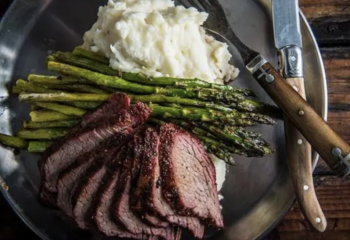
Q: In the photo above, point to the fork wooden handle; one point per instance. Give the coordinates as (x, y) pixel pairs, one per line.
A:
(300, 165)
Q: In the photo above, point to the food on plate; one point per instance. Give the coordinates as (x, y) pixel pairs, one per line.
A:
(135, 133)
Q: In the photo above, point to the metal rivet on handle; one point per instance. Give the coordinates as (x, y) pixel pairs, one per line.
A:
(336, 152)
(306, 187)
(301, 113)
(270, 78)
(318, 220)
(300, 141)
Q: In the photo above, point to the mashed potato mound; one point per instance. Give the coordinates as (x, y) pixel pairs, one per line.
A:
(156, 38)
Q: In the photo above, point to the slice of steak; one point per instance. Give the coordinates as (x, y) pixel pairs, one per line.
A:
(59, 158)
(83, 200)
(149, 187)
(122, 208)
(68, 182)
(188, 176)
(103, 216)
(135, 203)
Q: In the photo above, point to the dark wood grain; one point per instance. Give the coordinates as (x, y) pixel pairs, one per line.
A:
(329, 19)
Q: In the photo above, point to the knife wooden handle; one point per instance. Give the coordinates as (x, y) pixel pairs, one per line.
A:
(318, 133)
(299, 155)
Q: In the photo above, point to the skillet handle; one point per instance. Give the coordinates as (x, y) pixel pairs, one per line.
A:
(316, 131)
(300, 164)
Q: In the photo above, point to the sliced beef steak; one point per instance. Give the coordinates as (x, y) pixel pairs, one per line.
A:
(135, 199)
(59, 158)
(122, 208)
(103, 217)
(84, 202)
(188, 175)
(149, 187)
(84, 197)
(68, 182)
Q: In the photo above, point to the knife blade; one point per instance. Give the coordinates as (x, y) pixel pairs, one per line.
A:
(288, 41)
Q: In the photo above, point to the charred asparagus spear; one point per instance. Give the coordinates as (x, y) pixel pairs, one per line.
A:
(42, 133)
(82, 52)
(50, 124)
(207, 115)
(30, 87)
(55, 80)
(46, 115)
(68, 110)
(38, 146)
(12, 141)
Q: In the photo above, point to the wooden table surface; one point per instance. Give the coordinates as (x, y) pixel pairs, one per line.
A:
(330, 21)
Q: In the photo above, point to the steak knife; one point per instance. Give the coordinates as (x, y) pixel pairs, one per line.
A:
(288, 41)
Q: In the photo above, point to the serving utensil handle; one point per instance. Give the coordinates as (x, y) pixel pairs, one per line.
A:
(300, 165)
(316, 131)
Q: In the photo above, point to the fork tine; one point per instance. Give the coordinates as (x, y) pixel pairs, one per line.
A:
(197, 4)
(184, 3)
(207, 4)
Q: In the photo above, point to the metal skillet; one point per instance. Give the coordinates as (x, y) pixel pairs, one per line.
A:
(257, 192)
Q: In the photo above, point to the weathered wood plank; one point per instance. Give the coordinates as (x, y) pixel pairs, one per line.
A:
(329, 19)
(314, 9)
